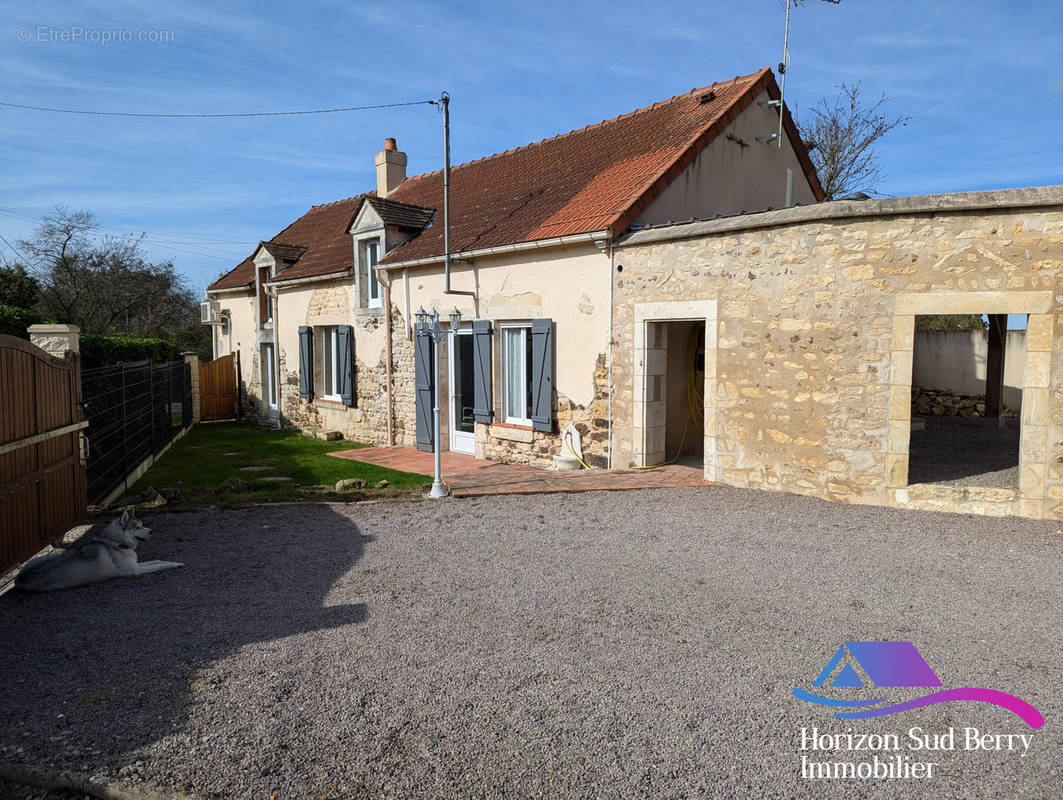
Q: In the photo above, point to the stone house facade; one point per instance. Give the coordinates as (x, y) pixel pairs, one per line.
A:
(322, 314)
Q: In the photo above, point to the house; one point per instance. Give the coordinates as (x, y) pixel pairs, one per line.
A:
(322, 314)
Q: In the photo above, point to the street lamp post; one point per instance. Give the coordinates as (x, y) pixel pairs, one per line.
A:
(430, 324)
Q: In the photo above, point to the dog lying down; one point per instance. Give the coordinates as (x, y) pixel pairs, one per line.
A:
(111, 554)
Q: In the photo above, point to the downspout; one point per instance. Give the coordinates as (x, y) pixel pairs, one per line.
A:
(609, 363)
(276, 353)
(406, 301)
(386, 282)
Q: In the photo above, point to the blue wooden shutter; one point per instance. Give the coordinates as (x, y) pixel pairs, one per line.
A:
(481, 358)
(306, 362)
(345, 365)
(424, 378)
(542, 375)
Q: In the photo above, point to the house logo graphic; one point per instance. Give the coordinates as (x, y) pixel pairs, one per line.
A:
(890, 665)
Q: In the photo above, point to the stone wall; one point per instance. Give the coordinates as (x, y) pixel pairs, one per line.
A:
(367, 421)
(809, 360)
(514, 444)
(929, 401)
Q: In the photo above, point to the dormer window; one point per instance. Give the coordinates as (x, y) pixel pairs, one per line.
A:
(265, 300)
(370, 256)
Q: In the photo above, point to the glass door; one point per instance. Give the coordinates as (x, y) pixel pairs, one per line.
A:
(462, 425)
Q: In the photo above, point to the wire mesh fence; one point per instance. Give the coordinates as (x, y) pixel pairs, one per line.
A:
(134, 410)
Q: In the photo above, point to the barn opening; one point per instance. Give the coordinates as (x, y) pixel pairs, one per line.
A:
(967, 379)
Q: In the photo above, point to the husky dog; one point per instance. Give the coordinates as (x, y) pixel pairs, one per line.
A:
(109, 555)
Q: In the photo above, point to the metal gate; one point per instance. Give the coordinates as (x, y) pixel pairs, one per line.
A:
(217, 389)
(42, 475)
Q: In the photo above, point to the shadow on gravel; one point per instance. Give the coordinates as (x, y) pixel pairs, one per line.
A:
(954, 448)
(88, 675)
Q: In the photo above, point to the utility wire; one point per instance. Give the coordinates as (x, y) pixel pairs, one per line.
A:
(16, 252)
(216, 116)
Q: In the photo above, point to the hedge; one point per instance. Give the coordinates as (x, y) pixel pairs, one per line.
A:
(14, 320)
(101, 351)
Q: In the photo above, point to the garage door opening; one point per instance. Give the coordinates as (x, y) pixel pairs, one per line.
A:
(967, 379)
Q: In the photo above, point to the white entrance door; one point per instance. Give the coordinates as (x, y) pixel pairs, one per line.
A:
(269, 383)
(462, 426)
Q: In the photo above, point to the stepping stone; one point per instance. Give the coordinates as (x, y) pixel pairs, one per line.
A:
(255, 469)
(276, 479)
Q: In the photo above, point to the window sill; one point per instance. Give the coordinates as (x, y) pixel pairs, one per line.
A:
(325, 401)
(517, 426)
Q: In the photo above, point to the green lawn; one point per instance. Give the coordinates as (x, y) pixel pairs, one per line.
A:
(211, 453)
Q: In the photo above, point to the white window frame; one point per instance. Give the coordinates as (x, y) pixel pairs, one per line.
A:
(328, 334)
(373, 291)
(505, 368)
(264, 276)
(269, 377)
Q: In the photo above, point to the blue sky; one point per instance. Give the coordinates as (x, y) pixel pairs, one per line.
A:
(981, 81)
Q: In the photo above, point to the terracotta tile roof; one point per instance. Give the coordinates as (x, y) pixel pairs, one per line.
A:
(401, 215)
(283, 252)
(322, 235)
(598, 178)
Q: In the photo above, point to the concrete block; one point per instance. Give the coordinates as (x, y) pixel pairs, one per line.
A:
(1038, 369)
(899, 435)
(1039, 333)
(896, 471)
(952, 302)
(1032, 479)
(1032, 444)
(903, 332)
(1035, 403)
(901, 402)
(901, 368)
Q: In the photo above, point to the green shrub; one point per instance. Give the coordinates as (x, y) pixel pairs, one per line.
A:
(101, 351)
(15, 320)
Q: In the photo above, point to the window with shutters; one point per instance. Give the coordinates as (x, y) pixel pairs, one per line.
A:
(328, 367)
(516, 361)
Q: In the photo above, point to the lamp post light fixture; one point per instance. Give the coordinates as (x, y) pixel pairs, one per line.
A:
(429, 323)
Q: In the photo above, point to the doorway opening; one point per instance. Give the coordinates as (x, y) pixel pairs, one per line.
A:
(684, 386)
(967, 384)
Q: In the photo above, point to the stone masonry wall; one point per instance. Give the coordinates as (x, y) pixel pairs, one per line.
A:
(367, 422)
(812, 378)
(519, 445)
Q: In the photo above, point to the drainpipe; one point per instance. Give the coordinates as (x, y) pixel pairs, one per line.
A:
(609, 362)
(385, 280)
(276, 353)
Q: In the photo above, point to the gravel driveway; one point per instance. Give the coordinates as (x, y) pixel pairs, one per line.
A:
(605, 645)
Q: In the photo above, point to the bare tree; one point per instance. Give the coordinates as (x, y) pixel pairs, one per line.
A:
(840, 135)
(105, 284)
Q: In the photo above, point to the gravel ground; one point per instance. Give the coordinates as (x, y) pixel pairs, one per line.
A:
(965, 451)
(601, 645)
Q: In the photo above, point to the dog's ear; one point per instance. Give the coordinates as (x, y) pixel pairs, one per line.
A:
(125, 516)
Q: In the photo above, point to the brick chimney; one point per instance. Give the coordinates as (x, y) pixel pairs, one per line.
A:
(390, 168)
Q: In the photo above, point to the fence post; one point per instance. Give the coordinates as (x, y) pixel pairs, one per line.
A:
(56, 339)
(125, 425)
(193, 365)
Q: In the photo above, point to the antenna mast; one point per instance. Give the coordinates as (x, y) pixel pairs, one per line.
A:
(782, 71)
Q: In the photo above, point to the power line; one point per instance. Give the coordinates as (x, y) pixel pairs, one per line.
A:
(217, 116)
(16, 252)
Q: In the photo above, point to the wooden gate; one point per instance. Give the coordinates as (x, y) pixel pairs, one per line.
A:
(42, 475)
(217, 389)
